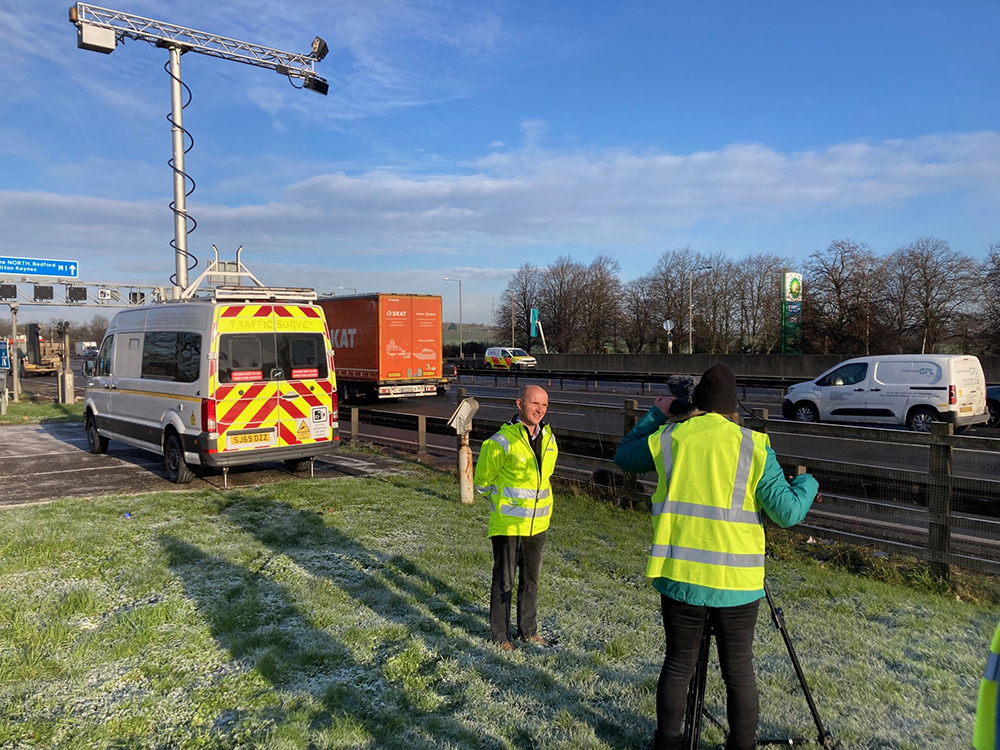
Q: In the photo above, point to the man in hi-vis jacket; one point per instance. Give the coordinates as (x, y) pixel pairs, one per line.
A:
(513, 470)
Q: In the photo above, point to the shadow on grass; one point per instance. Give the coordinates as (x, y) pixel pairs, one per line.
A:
(445, 622)
(255, 620)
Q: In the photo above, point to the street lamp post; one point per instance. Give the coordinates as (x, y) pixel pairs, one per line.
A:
(353, 290)
(460, 354)
(691, 303)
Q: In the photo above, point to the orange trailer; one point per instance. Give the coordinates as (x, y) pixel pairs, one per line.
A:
(386, 345)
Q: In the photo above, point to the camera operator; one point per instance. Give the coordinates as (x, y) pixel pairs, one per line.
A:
(707, 559)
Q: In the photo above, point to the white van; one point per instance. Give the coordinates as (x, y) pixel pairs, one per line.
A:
(235, 378)
(509, 358)
(904, 389)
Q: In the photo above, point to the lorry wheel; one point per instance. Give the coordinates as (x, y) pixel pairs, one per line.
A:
(296, 465)
(920, 419)
(806, 412)
(96, 442)
(178, 471)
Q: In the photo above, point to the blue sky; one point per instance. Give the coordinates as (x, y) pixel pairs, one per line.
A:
(463, 139)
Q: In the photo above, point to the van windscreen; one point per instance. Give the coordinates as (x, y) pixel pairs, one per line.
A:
(255, 357)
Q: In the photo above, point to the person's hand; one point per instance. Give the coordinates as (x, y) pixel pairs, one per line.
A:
(663, 404)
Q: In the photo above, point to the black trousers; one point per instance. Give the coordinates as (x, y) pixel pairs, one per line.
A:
(733, 628)
(511, 554)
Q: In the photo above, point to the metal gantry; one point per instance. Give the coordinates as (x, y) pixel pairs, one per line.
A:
(101, 29)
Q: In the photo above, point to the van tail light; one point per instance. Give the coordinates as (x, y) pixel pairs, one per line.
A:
(208, 414)
(334, 411)
(952, 394)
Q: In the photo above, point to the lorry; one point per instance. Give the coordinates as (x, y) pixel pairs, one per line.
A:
(387, 345)
(82, 348)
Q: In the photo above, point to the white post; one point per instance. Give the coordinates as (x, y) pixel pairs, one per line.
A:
(180, 199)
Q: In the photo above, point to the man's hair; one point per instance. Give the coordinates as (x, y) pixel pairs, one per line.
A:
(521, 394)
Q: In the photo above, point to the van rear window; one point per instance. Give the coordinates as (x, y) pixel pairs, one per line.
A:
(256, 357)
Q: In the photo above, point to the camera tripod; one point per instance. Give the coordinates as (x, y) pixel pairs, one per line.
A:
(696, 692)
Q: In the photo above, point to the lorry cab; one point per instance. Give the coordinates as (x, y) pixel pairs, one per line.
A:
(217, 381)
(903, 389)
(509, 358)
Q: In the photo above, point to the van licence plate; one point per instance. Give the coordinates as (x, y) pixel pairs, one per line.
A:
(265, 437)
(964, 409)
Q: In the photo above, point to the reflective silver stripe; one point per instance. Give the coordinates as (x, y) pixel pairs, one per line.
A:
(695, 510)
(992, 672)
(523, 512)
(486, 489)
(667, 461)
(523, 494)
(502, 441)
(688, 554)
(743, 464)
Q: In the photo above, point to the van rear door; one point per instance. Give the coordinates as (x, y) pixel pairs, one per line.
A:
(307, 384)
(245, 387)
(970, 386)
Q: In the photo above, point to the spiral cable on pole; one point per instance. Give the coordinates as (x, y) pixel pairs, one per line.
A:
(173, 206)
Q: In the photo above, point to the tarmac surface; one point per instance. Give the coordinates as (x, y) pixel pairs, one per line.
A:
(44, 462)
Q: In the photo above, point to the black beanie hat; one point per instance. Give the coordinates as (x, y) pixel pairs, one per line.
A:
(716, 391)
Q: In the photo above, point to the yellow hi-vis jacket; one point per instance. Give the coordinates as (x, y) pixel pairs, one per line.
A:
(518, 487)
(706, 519)
(986, 735)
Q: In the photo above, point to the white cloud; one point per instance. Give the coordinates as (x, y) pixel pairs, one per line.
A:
(512, 203)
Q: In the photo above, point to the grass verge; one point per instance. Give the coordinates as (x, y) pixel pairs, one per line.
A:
(353, 613)
(41, 411)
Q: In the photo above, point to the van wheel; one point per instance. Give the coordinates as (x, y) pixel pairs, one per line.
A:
(806, 412)
(96, 442)
(178, 471)
(296, 465)
(920, 419)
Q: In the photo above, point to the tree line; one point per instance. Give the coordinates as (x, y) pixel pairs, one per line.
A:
(923, 297)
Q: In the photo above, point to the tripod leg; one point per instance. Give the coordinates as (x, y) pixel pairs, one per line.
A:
(778, 618)
(696, 694)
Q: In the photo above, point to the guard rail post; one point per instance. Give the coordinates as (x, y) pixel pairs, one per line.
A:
(354, 424)
(632, 417)
(421, 434)
(939, 499)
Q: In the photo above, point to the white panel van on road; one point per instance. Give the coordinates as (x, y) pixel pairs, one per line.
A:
(903, 389)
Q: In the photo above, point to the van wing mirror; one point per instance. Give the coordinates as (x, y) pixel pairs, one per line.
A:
(89, 368)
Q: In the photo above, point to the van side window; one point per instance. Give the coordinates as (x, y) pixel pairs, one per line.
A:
(846, 375)
(104, 358)
(167, 355)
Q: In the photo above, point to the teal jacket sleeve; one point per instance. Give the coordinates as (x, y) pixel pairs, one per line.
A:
(632, 454)
(786, 503)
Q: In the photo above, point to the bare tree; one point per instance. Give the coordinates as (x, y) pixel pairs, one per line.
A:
(639, 321)
(717, 310)
(989, 277)
(668, 288)
(600, 303)
(945, 284)
(838, 308)
(759, 302)
(563, 285)
(521, 295)
(895, 301)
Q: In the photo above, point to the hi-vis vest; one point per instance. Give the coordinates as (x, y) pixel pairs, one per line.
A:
(986, 735)
(519, 489)
(706, 520)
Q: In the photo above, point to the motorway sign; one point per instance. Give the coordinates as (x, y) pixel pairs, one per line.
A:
(38, 267)
(4, 359)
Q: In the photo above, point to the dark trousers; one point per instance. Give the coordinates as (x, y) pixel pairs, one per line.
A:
(510, 554)
(733, 630)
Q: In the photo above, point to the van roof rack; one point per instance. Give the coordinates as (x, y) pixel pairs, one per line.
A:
(223, 282)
